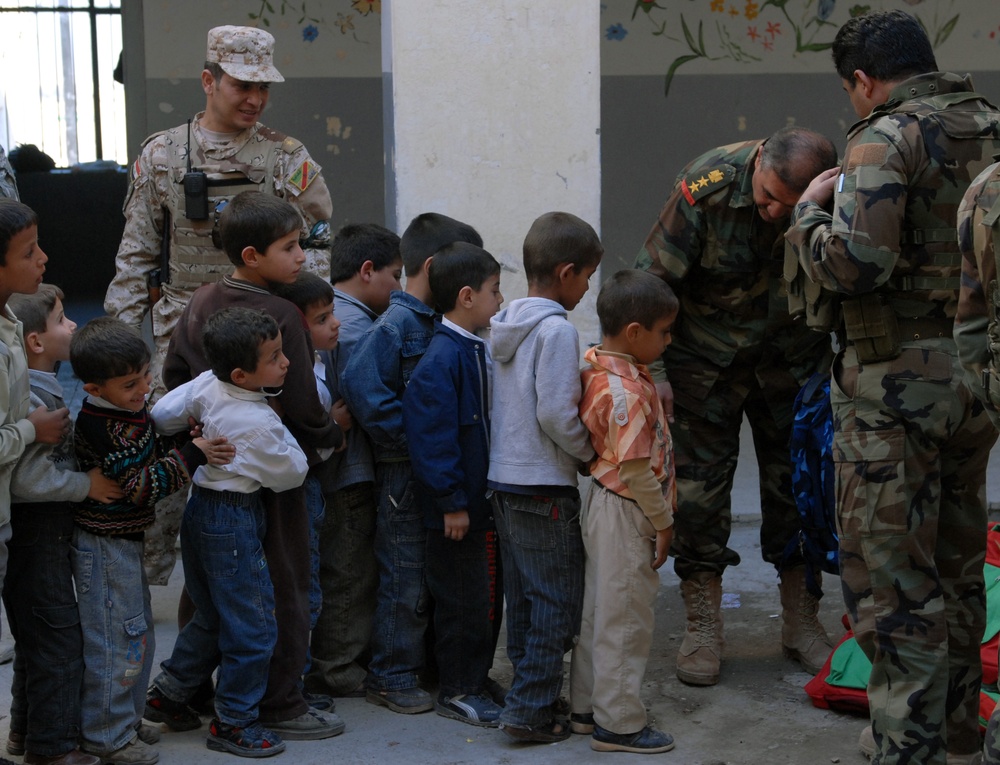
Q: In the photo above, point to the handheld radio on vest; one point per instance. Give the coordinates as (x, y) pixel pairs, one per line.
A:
(195, 188)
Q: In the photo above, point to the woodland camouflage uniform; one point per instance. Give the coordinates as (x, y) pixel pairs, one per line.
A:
(911, 440)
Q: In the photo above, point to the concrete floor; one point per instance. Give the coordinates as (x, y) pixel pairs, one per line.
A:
(757, 714)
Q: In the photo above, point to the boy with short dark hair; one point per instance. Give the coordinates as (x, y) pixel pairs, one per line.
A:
(114, 431)
(38, 590)
(537, 447)
(629, 513)
(260, 235)
(446, 415)
(233, 626)
(372, 385)
(365, 267)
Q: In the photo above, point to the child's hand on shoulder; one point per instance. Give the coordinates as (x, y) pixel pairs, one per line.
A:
(456, 525)
(663, 540)
(50, 427)
(217, 450)
(103, 489)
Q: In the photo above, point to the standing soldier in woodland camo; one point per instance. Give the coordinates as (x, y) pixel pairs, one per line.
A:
(911, 441)
(736, 353)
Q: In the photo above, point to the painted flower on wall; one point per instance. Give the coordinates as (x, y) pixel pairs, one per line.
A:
(615, 32)
(344, 22)
(310, 33)
(364, 7)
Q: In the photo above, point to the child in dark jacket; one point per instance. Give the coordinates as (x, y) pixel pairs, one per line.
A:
(446, 417)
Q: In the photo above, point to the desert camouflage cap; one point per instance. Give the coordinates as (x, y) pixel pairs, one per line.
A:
(245, 53)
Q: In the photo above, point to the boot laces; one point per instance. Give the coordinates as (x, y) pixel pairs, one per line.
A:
(703, 626)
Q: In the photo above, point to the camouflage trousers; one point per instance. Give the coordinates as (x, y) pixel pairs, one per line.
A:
(705, 453)
(911, 444)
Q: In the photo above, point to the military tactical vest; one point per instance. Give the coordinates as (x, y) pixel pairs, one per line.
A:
(991, 374)
(196, 257)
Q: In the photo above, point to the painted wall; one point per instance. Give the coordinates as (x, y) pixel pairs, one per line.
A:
(740, 69)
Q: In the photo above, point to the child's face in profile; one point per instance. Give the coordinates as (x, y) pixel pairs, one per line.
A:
(324, 328)
(649, 344)
(126, 391)
(383, 282)
(24, 263)
(58, 333)
(272, 366)
(486, 302)
(282, 261)
(575, 286)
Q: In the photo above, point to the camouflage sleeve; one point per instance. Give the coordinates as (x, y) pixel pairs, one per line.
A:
(975, 240)
(139, 251)
(303, 185)
(855, 249)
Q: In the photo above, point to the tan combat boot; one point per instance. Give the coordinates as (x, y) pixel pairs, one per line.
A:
(802, 636)
(700, 655)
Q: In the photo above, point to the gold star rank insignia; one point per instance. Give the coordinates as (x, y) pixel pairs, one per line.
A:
(701, 183)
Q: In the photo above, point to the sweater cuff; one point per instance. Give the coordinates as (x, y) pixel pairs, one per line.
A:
(638, 476)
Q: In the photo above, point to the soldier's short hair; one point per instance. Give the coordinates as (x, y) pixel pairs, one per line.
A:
(15, 217)
(306, 291)
(559, 238)
(105, 348)
(215, 70)
(232, 338)
(356, 243)
(459, 265)
(33, 311)
(428, 233)
(886, 45)
(631, 295)
(797, 155)
(258, 220)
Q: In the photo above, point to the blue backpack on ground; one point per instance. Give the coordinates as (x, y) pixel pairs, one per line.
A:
(811, 447)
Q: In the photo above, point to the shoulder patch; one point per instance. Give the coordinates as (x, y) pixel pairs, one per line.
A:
(618, 399)
(303, 175)
(702, 182)
(867, 154)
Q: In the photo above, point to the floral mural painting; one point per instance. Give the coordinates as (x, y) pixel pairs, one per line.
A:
(311, 24)
(748, 31)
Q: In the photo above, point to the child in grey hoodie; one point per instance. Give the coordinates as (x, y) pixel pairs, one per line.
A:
(537, 447)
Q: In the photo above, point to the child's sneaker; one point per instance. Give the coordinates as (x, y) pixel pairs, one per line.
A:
(647, 741)
(175, 714)
(136, 752)
(252, 741)
(474, 709)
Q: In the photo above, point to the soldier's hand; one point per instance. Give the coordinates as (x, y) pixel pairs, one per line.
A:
(820, 189)
(665, 392)
(50, 427)
(102, 488)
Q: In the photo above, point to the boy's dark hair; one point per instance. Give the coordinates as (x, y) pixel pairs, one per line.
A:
(797, 155)
(357, 242)
(556, 238)
(232, 337)
(258, 220)
(306, 291)
(106, 347)
(14, 218)
(886, 45)
(33, 311)
(428, 233)
(459, 265)
(632, 295)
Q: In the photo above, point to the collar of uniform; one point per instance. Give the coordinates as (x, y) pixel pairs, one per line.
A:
(743, 195)
(224, 149)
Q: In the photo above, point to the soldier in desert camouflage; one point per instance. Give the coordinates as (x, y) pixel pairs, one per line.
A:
(165, 253)
(911, 441)
(736, 352)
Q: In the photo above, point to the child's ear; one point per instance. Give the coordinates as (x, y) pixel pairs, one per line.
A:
(366, 271)
(465, 297)
(33, 343)
(250, 257)
(425, 269)
(92, 389)
(565, 271)
(632, 331)
(238, 376)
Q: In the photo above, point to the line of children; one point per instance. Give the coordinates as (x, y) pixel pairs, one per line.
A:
(421, 389)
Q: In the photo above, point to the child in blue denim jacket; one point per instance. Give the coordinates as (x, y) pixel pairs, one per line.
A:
(446, 410)
(372, 386)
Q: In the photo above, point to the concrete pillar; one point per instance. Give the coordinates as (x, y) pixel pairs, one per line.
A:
(492, 116)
